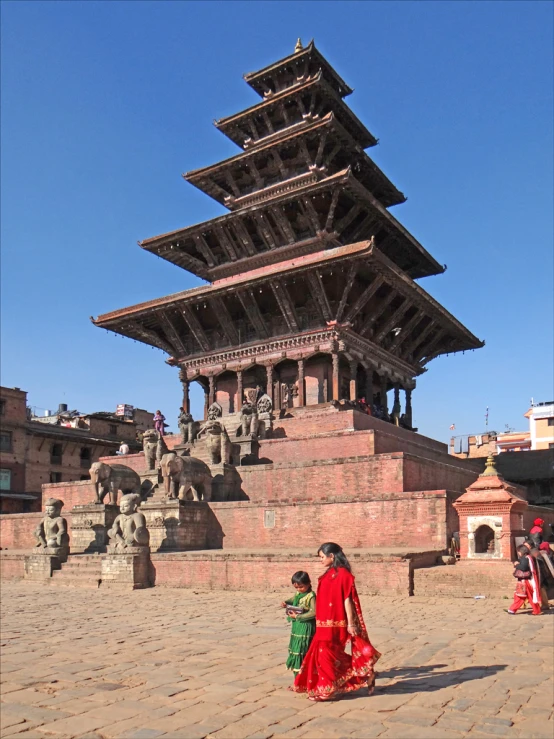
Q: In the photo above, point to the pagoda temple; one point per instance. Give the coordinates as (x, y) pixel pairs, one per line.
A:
(312, 293)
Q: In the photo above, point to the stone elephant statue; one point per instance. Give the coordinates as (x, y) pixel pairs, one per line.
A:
(190, 476)
(109, 478)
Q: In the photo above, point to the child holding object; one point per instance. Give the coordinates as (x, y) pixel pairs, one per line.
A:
(300, 610)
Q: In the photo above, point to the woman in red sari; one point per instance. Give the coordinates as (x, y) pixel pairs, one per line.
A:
(327, 670)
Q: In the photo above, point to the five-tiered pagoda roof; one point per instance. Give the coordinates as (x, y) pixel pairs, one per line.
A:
(309, 261)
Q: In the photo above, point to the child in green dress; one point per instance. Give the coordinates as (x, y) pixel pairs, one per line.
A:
(303, 624)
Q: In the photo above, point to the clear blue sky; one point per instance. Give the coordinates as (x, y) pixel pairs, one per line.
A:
(104, 104)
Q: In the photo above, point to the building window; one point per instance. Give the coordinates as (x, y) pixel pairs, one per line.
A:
(5, 479)
(55, 477)
(551, 421)
(85, 456)
(2, 407)
(113, 429)
(5, 441)
(56, 453)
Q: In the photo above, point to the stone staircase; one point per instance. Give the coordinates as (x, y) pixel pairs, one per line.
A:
(466, 579)
(80, 570)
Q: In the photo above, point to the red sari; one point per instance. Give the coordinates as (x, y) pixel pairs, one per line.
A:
(327, 670)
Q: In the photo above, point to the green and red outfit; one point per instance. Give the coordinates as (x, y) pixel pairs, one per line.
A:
(303, 629)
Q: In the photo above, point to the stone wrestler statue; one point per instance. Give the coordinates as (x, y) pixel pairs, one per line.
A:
(129, 528)
(52, 530)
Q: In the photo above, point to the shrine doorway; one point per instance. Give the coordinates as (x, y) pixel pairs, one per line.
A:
(484, 540)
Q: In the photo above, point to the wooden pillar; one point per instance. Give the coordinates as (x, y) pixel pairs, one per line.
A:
(185, 383)
(384, 384)
(396, 407)
(408, 411)
(335, 357)
(353, 380)
(211, 392)
(269, 371)
(301, 388)
(240, 391)
(369, 386)
(206, 404)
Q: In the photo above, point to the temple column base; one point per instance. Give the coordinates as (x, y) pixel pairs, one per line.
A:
(90, 525)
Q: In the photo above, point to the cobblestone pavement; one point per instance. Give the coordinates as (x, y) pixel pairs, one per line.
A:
(98, 664)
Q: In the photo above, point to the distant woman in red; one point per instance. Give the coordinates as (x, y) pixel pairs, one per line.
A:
(327, 670)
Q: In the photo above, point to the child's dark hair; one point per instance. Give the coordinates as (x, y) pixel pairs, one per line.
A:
(339, 559)
(522, 549)
(301, 578)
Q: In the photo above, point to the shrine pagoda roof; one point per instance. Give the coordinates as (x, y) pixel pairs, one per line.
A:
(298, 63)
(232, 126)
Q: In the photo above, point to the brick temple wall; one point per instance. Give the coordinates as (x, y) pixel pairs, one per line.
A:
(391, 575)
(410, 520)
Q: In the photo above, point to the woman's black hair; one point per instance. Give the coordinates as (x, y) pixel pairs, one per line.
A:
(301, 578)
(339, 559)
(522, 549)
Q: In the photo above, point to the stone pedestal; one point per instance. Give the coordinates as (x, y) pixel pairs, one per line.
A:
(176, 525)
(126, 568)
(149, 483)
(226, 480)
(89, 526)
(265, 429)
(40, 565)
(245, 451)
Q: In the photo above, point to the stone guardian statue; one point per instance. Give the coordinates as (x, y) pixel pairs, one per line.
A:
(129, 528)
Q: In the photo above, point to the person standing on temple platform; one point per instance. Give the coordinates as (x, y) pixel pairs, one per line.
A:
(536, 532)
(159, 423)
(528, 585)
(259, 393)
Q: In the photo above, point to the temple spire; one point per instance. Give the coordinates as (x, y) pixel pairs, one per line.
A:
(298, 46)
(490, 469)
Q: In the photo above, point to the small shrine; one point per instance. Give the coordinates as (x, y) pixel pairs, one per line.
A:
(491, 515)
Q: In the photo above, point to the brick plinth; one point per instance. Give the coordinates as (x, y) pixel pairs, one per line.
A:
(176, 526)
(128, 570)
(41, 566)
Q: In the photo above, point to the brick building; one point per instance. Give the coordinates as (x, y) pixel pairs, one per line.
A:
(57, 447)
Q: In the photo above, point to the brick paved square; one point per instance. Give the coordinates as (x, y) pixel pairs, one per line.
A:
(159, 663)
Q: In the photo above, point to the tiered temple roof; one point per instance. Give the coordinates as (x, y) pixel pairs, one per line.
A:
(309, 259)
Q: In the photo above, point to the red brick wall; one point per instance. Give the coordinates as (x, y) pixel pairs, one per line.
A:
(72, 493)
(12, 567)
(408, 520)
(271, 572)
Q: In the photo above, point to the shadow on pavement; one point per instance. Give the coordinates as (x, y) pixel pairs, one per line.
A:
(424, 679)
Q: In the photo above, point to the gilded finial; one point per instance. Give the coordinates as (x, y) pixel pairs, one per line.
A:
(298, 46)
(490, 469)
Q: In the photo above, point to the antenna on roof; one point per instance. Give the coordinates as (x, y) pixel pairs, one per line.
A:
(298, 46)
